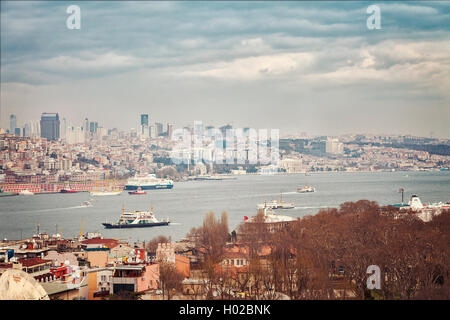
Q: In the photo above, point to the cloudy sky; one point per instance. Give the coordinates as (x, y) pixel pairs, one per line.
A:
(297, 66)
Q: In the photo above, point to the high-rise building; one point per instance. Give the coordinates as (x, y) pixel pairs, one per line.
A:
(86, 127)
(12, 123)
(159, 128)
(152, 132)
(27, 129)
(93, 126)
(144, 120)
(50, 126)
(169, 130)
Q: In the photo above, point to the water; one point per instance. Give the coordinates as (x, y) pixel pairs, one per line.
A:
(188, 202)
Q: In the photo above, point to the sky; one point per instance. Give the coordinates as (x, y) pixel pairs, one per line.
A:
(296, 66)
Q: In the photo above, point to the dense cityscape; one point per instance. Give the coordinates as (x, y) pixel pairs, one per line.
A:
(234, 157)
(211, 262)
(52, 152)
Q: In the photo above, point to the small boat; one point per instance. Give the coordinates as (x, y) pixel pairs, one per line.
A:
(136, 219)
(68, 190)
(26, 193)
(86, 204)
(306, 189)
(137, 192)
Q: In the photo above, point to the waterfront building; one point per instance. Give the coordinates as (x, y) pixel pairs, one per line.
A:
(333, 146)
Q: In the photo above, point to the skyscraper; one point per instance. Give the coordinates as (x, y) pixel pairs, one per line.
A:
(169, 130)
(50, 126)
(144, 119)
(12, 123)
(159, 128)
(93, 126)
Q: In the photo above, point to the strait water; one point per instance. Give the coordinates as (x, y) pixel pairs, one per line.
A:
(188, 202)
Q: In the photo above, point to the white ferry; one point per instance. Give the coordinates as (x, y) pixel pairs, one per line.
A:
(26, 193)
(274, 204)
(136, 219)
(147, 182)
(106, 193)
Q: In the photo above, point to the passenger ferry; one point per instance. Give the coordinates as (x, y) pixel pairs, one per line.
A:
(274, 204)
(146, 182)
(136, 219)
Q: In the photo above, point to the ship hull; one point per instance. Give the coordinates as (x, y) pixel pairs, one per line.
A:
(149, 187)
(7, 194)
(68, 191)
(140, 225)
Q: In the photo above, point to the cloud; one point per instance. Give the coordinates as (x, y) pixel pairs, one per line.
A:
(253, 68)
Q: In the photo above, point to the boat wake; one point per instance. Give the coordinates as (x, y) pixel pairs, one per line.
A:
(55, 209)
(316, 207)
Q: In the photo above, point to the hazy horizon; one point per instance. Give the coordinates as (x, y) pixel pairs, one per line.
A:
(297, 66)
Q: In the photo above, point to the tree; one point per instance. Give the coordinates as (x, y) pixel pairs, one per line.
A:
(170, 279)
(152, 245)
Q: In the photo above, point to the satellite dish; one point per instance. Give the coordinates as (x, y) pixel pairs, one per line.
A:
(18, 285)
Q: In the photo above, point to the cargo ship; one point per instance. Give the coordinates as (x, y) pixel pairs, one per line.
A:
(136, 219)
(148, 182)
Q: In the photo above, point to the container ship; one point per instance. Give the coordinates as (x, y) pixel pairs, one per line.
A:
(148, 182)
(136, 219)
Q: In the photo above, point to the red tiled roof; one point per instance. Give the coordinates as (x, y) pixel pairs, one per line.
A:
(110, 243)
(29, 262)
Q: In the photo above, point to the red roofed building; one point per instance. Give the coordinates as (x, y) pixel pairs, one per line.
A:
(99, 243)
(37, 267)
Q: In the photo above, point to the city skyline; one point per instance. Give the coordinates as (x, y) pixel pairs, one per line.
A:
(299, 67)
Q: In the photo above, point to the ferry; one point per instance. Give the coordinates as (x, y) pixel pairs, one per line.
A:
(147, 182)
(106, 193)
(306, 189)
(138, 191)
(270, 216)
(425, 212)
(136, 219)
(416, 205)
(26, 193)
(274, 204)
